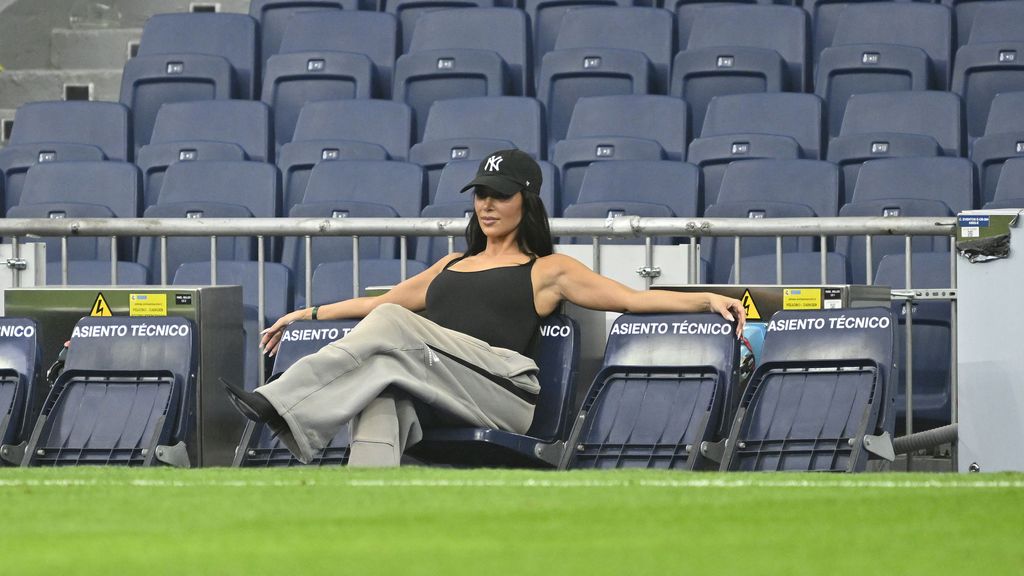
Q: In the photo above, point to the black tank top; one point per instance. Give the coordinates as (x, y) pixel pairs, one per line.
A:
(493, 305)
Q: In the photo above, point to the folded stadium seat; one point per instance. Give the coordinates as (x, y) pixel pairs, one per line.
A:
(572, 158)
(770, 189)
(779, 126)
(370, 33)
(931, 333)
(824, 16)
(448, 202)
(964, 12)
(666, 383)
(82, 190)
(653, 188)
(204, 130)
(472, 128)
(603, 54)
(354, 189)
(278, 300)
(123, 399)
(1010, 189)
(1003, 140)
(797, 268)
(216, 189)
(191, 56)
(20, 378)
(96, 273)
(686, 12)
(557, 353)
(884, 47)
(106, 125)
(736, 49)
(546, 19)
(332, 281)
(408, 13)
(462, 53)
(821, 400)
(274, 15)
(259, 447)
(990, 63)
(660, 118)
(905, 187)
(894, 125)
(17, 159)
(342, 130)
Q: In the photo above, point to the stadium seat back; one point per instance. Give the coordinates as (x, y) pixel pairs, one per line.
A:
(409, 12)
(240, 122)
(674, 185)
(154, 159)
(17, 159)
(106, 125)
(274, 15)
(948, 180)
(980, 72)
(797, 268)
(660, 118)
(573, 157)
(19, 370)
(332, 281)
(513, 118)
(928, 113)
(714, 154)
(97, 273)
(546, 17)
(798, 116)
(382, 122)
(824, 383)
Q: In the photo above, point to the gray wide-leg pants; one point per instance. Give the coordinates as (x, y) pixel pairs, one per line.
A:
(371, 376)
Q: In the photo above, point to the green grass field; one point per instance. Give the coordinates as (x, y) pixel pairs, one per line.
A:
(482, 522)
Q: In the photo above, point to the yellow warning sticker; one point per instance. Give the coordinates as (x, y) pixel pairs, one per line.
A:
(147, 304)
(100, 307)
(801, 299)
(749, 307)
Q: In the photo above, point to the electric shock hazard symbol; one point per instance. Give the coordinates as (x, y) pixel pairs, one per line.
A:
(100, 307)
(749, 307)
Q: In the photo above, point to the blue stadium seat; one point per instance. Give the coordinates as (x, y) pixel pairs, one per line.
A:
(660, 118)
(997, 22)
(572, 157)
(714, 154)
(735, 49)
(1004, 135)
(798, 116)
(372, 34)
(19, 379)
(686, 12)
(882, 47)
(96, 273)
(211, 189)
(354, 188)
(666, 383)
(463, 53)
(233, 37)
(1010, 188)
(797, 268)
(153, 160)
(17, 159)
(241, 122)
(825, 383)
(149, 82)
(259, 448)
(981, 72)
(278, 299)
(546, 17)
(932, 341)
(106, 125)
(557, 353)
(274, 15)
(408, 13)
(85, 190)
(332, 281)
(121, 396)
(770, 189)
(824, 16)
(637, 187)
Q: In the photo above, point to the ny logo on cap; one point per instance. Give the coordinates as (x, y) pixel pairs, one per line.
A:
(493, 164)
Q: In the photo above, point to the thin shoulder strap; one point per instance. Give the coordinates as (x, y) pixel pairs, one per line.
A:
(452, 261)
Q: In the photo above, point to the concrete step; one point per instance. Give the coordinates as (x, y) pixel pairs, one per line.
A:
(20, 86)
(101, 48)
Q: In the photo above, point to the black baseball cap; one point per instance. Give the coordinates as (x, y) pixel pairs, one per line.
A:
(507, 172)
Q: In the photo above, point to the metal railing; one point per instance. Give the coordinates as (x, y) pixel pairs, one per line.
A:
(621, 227)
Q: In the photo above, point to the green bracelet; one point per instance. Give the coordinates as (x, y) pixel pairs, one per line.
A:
(315, 309)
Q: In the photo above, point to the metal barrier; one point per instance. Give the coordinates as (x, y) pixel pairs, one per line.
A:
(621, 227)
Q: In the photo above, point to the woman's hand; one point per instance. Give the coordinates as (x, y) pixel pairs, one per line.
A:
(270, 338)
(730, 308)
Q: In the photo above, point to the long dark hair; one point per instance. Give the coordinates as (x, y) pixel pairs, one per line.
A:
(533, 235)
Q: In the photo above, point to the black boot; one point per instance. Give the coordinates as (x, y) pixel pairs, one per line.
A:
(253, 406)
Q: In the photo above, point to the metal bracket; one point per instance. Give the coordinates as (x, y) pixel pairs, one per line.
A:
(175, 455)
(648, 271)
(17, 263)
(550, 453)
(923, 294)
(13, 453)
(714, 450)
(880, 446)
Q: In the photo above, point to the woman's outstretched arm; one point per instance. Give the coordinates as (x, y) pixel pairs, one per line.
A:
(566, 278)
(411, 294)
